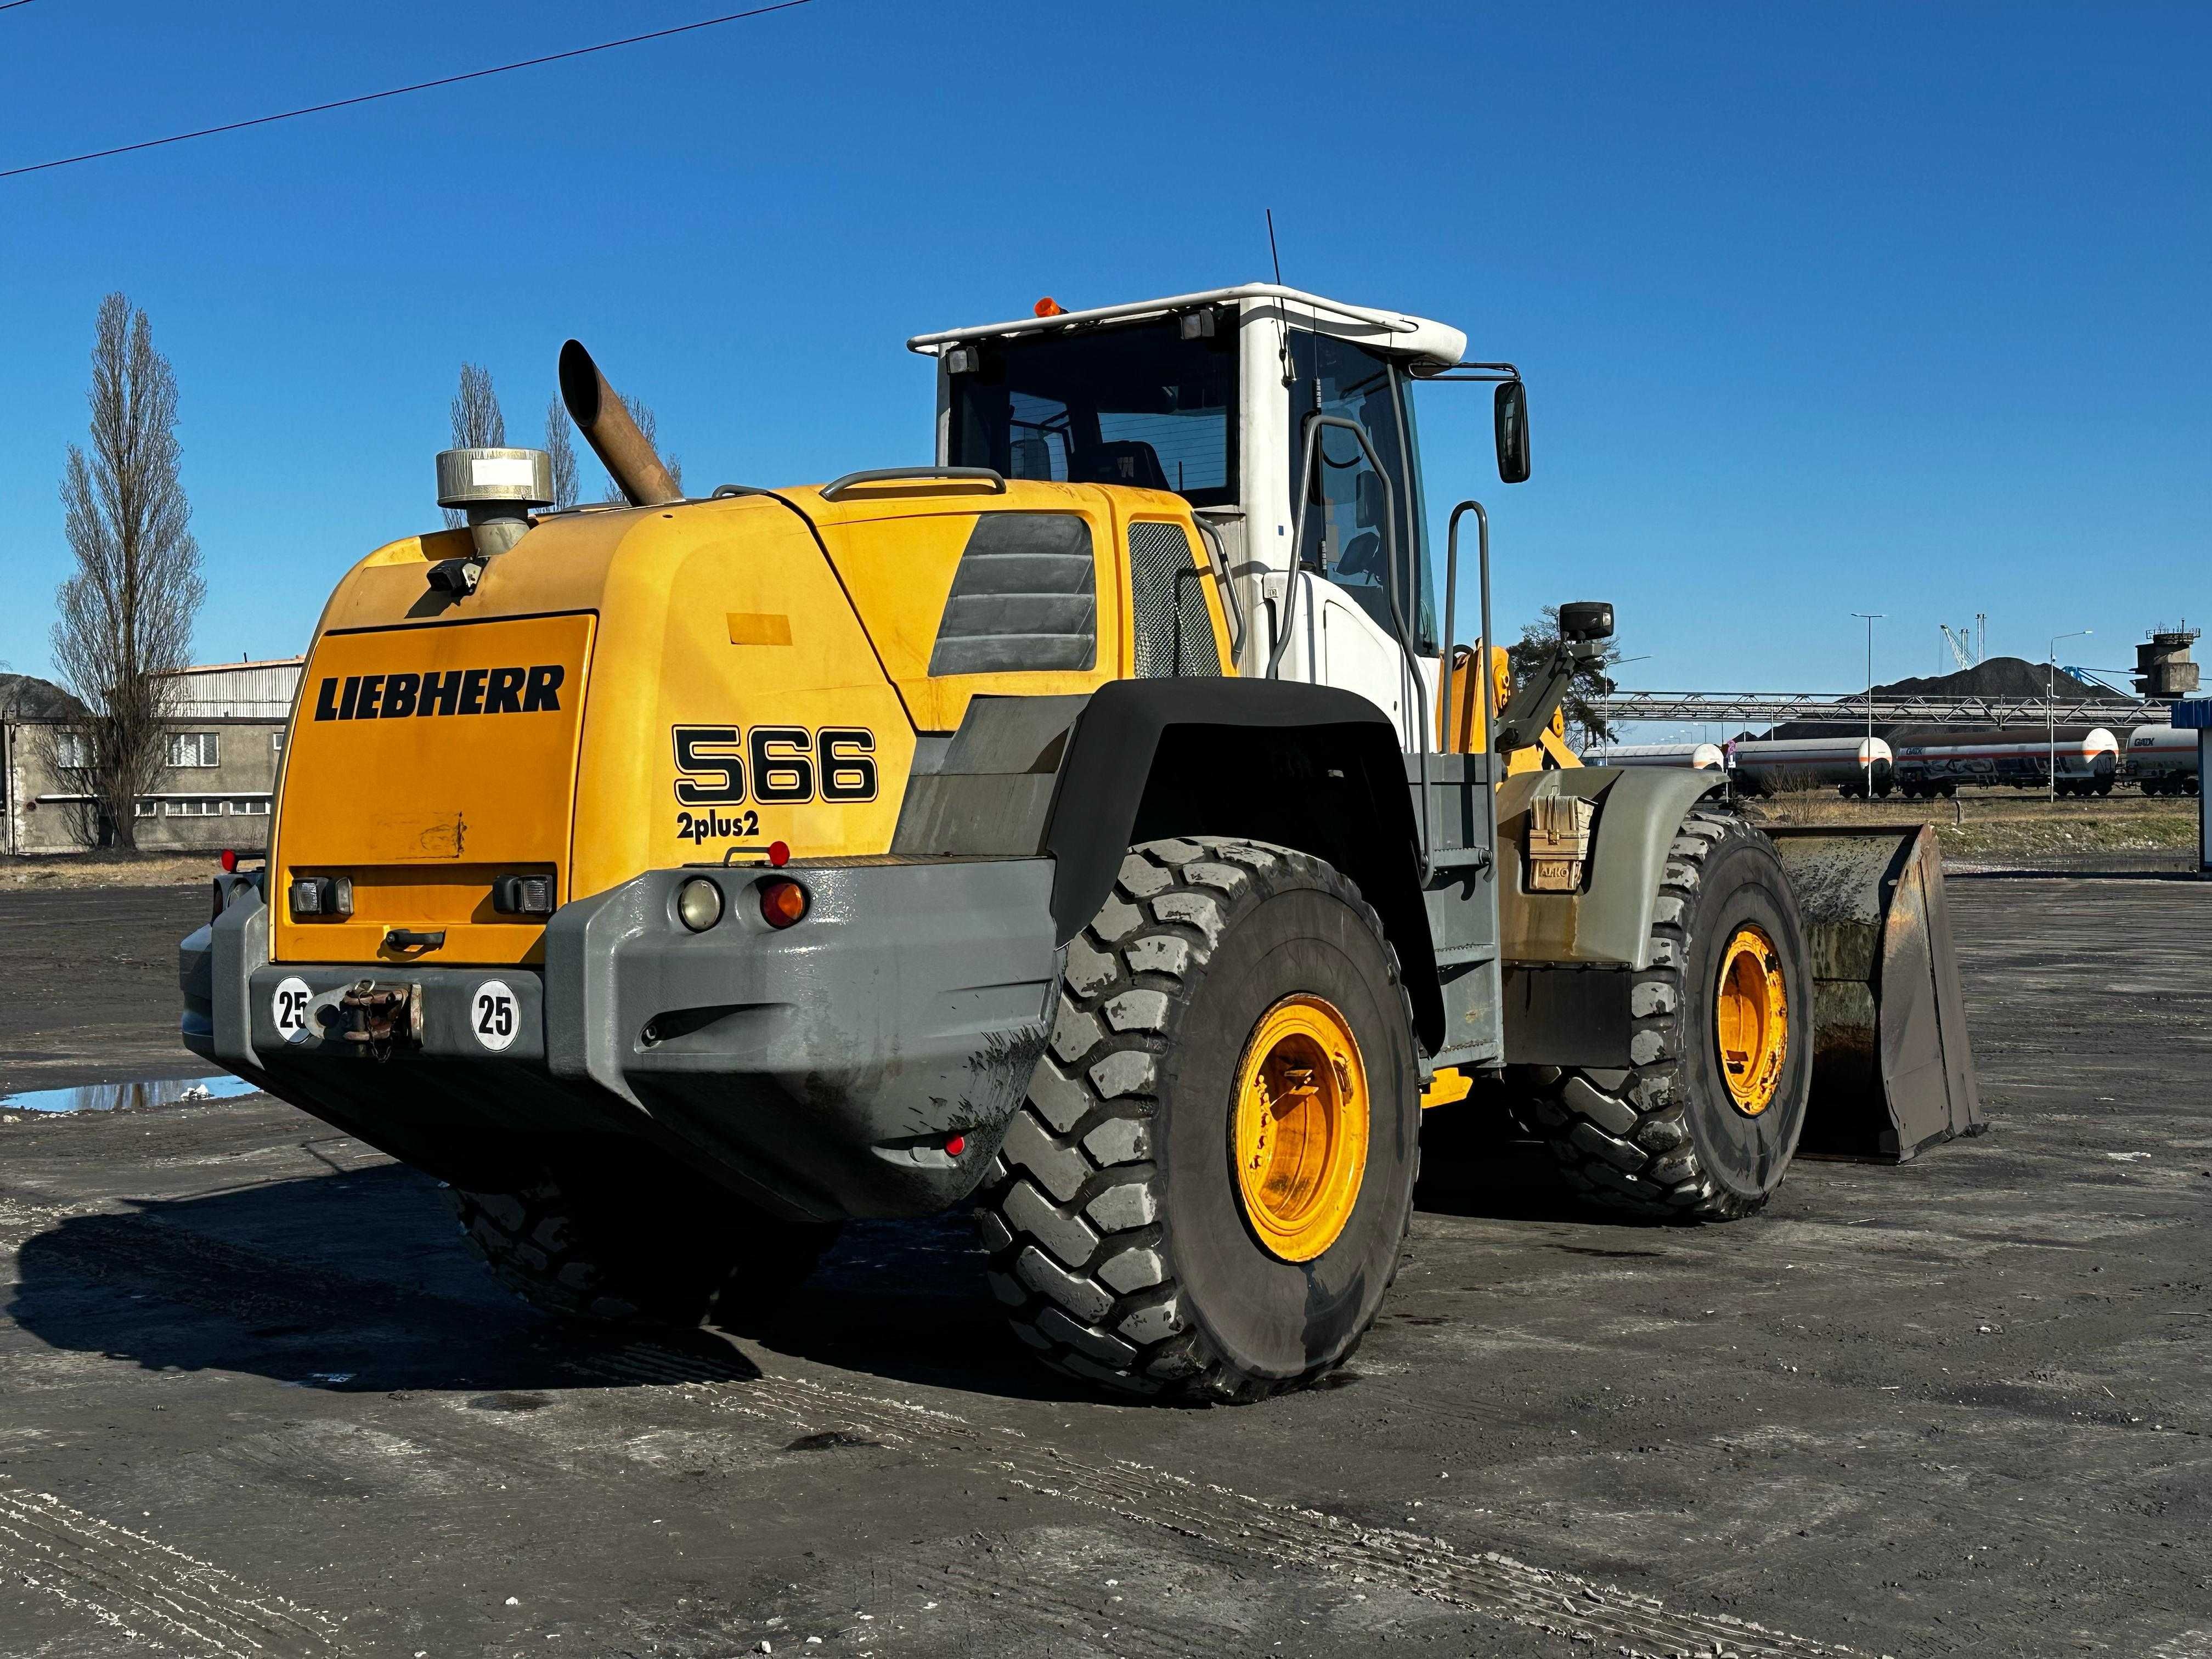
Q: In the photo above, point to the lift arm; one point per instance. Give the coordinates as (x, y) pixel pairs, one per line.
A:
(1584, 629)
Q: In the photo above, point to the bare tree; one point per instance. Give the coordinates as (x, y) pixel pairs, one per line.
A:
(477, 423)
(640, 412)
(562, 449)
(1591, 681)
(125, 623)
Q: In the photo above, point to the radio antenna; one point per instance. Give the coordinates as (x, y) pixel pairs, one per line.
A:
(1271, 253)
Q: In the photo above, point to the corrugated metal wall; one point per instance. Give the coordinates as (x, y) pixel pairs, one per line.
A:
(245, 690)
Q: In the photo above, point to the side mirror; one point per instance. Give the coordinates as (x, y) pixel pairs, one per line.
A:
(1512, 414)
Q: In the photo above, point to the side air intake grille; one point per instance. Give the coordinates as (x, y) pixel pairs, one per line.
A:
(1174, 633)
(1024, 600)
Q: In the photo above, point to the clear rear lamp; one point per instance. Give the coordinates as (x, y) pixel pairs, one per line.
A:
(523, 896)
(322, 896)
(699, 904)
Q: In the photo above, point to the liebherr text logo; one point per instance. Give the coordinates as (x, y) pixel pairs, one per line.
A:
(457, 691)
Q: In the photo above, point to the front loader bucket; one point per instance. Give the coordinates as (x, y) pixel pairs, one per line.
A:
(1892, 1073)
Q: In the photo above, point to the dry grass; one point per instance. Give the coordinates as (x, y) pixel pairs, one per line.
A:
(1980, 825)
(107, 869)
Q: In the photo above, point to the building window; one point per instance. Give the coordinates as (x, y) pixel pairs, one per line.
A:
(71, 750)
(248, 807)
(145, 809)
(276, 743)
(195, 749)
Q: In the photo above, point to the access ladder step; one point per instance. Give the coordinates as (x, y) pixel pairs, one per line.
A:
(1451, 955)
(1459, 858)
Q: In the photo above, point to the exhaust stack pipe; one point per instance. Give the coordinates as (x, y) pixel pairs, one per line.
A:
(614, 437)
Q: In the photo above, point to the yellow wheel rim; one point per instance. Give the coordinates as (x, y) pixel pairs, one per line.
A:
(1751, 1018)
(1301, 1130)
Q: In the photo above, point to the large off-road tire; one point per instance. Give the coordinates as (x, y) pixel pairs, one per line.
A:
(1125, 1238)
(650, 1247)
(1669, 1137)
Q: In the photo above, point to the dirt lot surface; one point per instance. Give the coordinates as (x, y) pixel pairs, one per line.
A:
(88, 984)
(108, 870)
(255, 1400)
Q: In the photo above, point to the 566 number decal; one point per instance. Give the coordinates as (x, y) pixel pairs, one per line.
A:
(724, 766)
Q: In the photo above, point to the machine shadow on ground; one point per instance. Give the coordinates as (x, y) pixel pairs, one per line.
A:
(357, 1281)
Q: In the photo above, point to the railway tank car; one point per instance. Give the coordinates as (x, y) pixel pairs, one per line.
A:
(1697, 757)
(1854, 766)
(1937, 760)
(2163, 762)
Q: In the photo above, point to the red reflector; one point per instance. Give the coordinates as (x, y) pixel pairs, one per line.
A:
(957, 1146)
(1047, 306)
(778, 853)
(781, 902)
(228, 860)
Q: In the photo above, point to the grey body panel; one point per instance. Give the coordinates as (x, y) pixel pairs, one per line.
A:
(1461, 905)
(989, 791)
(1638, 811)
(818, 1070)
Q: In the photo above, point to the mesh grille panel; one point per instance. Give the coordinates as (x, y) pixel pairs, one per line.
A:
(1157, 553)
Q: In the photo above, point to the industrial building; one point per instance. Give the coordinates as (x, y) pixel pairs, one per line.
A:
(226, 739)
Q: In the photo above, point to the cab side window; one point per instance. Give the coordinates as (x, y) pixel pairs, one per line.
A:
(1346, 506)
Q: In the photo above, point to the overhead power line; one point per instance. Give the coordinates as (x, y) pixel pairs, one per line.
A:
(394, 92)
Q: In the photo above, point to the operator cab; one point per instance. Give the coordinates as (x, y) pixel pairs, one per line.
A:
(1218, 397)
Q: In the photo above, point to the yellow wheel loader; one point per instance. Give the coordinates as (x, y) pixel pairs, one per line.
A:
(1098, 827)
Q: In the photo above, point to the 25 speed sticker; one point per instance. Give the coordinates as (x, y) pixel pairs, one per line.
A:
(494, 1016)
(289, 1009)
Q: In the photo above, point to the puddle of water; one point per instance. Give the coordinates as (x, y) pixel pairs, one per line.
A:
(113, 1096)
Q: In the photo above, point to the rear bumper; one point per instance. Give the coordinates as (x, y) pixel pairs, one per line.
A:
(818, 1070)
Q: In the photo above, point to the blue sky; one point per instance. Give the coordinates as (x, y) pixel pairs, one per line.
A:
(1824, 309)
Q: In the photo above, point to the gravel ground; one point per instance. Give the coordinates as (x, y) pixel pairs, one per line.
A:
(255, 1400)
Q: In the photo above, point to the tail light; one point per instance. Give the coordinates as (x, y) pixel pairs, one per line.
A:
(781, 902)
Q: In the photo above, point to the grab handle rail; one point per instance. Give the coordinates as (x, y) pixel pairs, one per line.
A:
(838, 489)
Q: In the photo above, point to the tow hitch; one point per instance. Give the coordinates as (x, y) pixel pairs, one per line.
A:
(379, 1018)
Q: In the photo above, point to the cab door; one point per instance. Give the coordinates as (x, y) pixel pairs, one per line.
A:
(1355, 527)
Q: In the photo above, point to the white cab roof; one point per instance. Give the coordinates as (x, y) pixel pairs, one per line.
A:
(1393, 331)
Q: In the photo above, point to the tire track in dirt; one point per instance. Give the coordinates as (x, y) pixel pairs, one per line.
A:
(142, 1588)
(1494, 1585)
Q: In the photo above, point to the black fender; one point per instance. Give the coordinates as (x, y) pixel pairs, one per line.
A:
(1309, 767)
(1084, 778)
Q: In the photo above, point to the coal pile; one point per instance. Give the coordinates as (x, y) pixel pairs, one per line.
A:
(1999, 677)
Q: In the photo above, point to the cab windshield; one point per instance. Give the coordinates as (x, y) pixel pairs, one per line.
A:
(1131, 404)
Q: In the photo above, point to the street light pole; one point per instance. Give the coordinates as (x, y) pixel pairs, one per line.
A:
(1866, 755)
(2050, 706)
